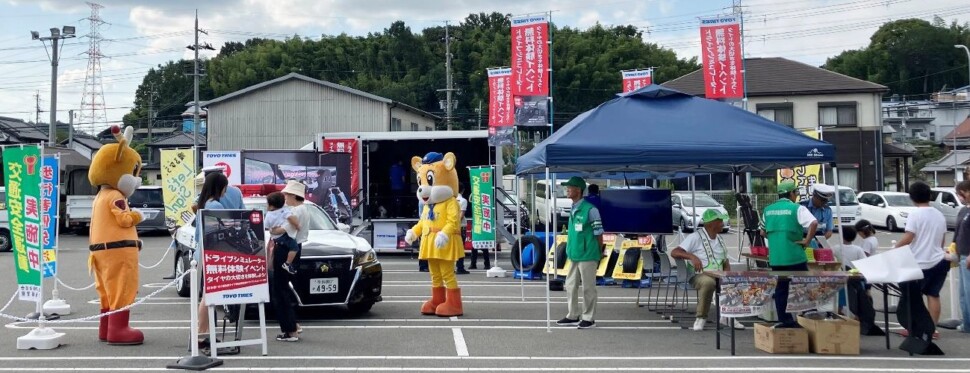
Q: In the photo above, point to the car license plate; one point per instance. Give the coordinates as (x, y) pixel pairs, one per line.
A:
(323, 285)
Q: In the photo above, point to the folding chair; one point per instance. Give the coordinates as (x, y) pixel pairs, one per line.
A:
(684, 274)
(671, 281)
(648, 266)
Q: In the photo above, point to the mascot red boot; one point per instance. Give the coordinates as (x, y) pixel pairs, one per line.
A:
(439, 230)
(115, 169)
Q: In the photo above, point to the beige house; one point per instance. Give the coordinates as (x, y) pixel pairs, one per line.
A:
(287, 112)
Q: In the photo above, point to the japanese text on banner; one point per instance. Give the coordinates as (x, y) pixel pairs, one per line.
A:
(178, 185)
(803, 176)
(721, 57)
(234, 259)
(808, 292)
(634, 80)
(50, 201)
(530, 53)
(21, 170)
(483, 208)
(347, 146)
(746, 295)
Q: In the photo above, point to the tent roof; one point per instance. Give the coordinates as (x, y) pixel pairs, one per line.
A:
(663, 131)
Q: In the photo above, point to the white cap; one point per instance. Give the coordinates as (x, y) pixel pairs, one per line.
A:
(826, 191)
(211, 169)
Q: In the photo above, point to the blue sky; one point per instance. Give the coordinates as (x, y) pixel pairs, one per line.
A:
(142, 34)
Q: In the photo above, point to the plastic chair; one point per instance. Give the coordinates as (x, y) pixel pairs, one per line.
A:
(648, 265)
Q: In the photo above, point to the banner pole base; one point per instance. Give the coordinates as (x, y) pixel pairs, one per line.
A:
(195, 363)
(41, 338)
(57, 306)
(495, 271)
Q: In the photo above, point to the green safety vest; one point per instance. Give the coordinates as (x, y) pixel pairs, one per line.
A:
(582, 245)
(713, 263)
(783, 233)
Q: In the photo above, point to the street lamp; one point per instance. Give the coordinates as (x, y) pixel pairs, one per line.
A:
(66, 33)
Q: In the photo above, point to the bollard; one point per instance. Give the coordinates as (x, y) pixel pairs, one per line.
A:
(194, 362)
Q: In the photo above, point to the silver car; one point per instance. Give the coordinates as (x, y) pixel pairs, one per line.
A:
(684, 208)
(149, 200)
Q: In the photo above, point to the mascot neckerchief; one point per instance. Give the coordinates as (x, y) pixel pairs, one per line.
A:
(114, 247)
(439, 230)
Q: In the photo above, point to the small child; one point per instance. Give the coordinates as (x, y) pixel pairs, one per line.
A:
(283, 229)
(858, 298)
(868, 233)
(849, 252)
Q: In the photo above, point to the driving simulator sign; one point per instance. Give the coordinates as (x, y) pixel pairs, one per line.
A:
(233, 257)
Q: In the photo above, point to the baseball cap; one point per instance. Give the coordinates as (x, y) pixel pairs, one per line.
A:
(786, 187)
(575, 181)
(712, 215)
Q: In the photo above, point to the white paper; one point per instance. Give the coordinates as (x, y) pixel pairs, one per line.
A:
(894, 266)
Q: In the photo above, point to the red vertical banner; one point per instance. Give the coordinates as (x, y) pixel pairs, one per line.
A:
(636, 79)
(347, 146)
(530, 55)
(721, 56)
(500, 112)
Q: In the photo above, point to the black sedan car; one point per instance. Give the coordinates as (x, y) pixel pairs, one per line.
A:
(335, 267)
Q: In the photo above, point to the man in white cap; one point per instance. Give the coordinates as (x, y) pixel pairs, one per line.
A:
(232, 200)
(818, 205)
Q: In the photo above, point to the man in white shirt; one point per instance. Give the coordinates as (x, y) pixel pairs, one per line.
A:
(925, 231)
(704, 251)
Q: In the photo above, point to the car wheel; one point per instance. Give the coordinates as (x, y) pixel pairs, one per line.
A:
(360, 308)
(5, 241)
(891, 224)
(683, 226)
(183, 287)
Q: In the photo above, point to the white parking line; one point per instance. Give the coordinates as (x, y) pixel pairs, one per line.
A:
(422, 320)
(503, 369)
(460, 346)
(326, 327)
(756, 358)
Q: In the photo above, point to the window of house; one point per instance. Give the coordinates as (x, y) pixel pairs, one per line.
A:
(781, 113)
(414, 126)
(839, 114)
(395, 124)
(429, 128)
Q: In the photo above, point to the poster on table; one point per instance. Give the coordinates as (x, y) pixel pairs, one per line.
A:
(747, 294)
(483, 208)
(803, 176)
(500, 109)
(721, 57)
(326, 176)
(389, 235)
(233, 257)
(636, 79)
(808, 292)
(50, 201)
(229, 161)
(531, 111)
(21, 176)
(530, 55)
(352, 147)
(178, 186)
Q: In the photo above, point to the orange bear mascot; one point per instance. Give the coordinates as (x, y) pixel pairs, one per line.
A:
(114, 242)
(439, 230)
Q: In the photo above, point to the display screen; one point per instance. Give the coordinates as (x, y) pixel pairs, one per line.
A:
(636, 211)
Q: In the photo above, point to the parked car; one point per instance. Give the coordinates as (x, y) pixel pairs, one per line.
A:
(563, 204)
(886, 209)
(850, 210)
(5, 243)
(684, 206)
(946, 200)
(335, 267)
(149, 200)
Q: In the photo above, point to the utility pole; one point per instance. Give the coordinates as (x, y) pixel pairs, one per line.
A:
(37, 116)
(70, 128)
(448, 104)
(479, 114)
(195, 75)
(56, 35)
(151, 117)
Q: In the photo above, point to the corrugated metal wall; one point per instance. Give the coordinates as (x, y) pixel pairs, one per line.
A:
(288, 116)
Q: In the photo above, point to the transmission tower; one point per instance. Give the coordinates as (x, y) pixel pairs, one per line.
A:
(93, 116)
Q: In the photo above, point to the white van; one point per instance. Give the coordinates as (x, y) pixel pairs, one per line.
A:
(563, 204)
(850, 210)
(945, 199)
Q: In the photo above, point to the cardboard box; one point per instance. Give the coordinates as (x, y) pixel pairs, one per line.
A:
(780, 341)
(832, 337)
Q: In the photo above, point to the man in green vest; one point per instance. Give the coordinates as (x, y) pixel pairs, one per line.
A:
(785, 224)
(584, 247)
(703, 251)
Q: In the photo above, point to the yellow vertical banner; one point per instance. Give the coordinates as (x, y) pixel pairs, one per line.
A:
(803, 176)
(178, 185)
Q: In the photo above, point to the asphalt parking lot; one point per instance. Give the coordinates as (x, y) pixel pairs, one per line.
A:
(503, 329)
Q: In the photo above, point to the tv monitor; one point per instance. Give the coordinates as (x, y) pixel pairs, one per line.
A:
(636, 211)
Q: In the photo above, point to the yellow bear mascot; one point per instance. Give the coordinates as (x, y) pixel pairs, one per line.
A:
(439, 229)
(114, 242)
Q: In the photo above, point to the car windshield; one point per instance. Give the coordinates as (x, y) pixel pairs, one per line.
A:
(560, 190)
(846, 198)
(146, 197)
(703, 200)
(898, 200)
(319, 221)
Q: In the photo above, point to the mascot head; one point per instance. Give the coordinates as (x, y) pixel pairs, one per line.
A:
(117, 165)
(437, 177)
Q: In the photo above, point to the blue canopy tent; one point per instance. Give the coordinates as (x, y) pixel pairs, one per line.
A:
(663, 131)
